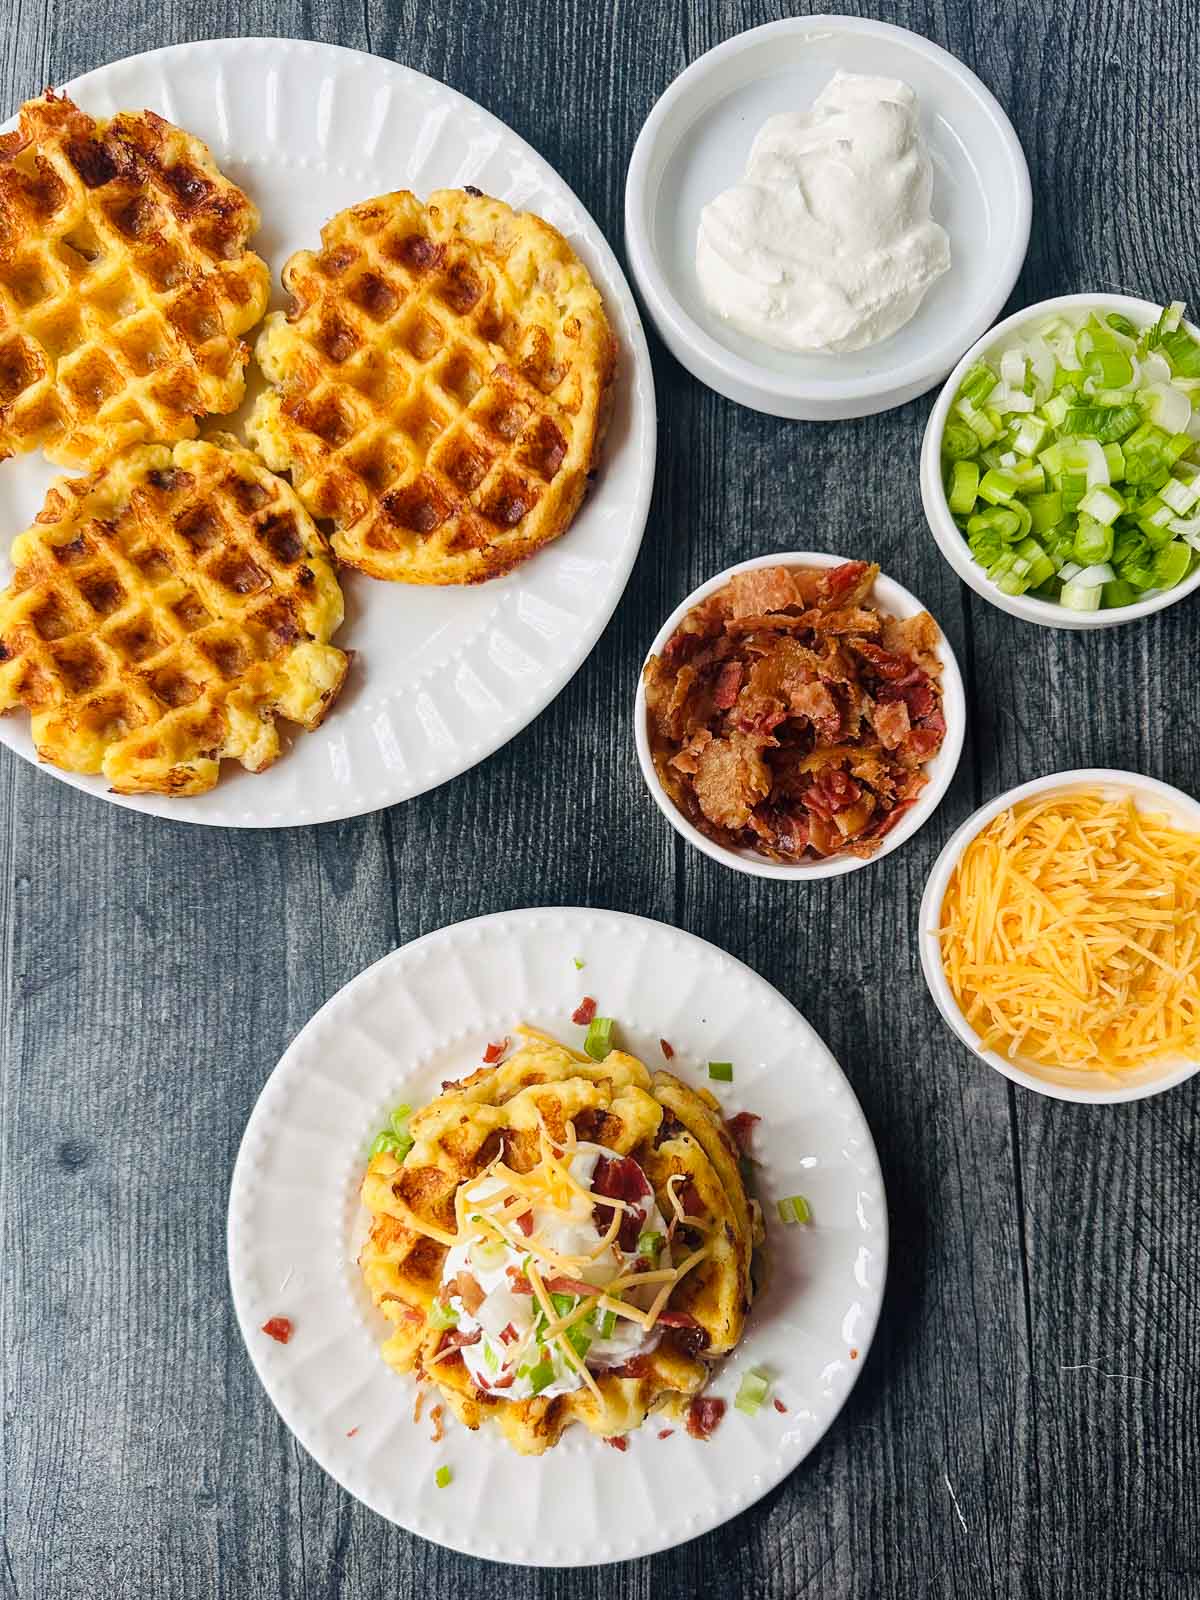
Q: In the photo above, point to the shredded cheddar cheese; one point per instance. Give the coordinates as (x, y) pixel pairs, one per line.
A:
(1070, 935)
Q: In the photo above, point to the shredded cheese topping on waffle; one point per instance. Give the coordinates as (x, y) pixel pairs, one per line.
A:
(1070, 934)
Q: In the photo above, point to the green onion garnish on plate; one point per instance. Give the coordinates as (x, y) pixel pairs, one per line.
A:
(599, 1038)
(443, 1477)
(721, 1071)
(795, 1208)
(752, 1391)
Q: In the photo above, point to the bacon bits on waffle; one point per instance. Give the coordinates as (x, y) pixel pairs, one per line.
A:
(163, 612)
(510, 1121)
(442, 384)
(125, 283)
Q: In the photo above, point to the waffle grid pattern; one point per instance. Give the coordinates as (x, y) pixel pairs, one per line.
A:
(442, 383)
(162, 613)
(125, 283)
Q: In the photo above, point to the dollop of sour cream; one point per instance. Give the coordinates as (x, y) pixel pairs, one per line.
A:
(827, 243)
(507, 1320)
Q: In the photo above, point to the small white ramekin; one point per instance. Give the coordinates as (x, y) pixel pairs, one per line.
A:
(890, 597)
(694, 145)
(933, 494)
(1064, 1083)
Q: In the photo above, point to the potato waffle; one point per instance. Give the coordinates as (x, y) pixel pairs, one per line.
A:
(442, 384)
(674, 1132)
(125, 283)
(163, 612)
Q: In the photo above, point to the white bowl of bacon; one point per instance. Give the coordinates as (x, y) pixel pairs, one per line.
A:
(799, 716)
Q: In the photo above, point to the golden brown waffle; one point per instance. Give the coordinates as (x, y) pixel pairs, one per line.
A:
(673, 1131)
(125, 283)
(442, 384)
(163, 612)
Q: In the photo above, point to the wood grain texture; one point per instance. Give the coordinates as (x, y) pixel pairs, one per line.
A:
(1028, 1420)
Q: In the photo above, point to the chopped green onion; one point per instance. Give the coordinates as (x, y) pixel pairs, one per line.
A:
(608, 1324)
(599, 1038)
(442, 1316)
(721, 1071)
(1080, 597)
(752, 1391)
(649, 1244)
(490, 1359)
(542, 1375)
(1069, 463)
(399, 1121)
(383, 1141)
(578, 964)
(563, 1303)
(1172, 564)
(959, 441)
(443, 1477)
(794, 1209)
(579, 1339)
(978, 384)
(963, 487)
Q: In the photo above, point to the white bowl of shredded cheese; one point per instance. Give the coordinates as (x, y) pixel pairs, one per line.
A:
(696, 145)
(1046, 966)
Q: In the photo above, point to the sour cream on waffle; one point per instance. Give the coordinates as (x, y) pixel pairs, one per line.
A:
(500, 1293)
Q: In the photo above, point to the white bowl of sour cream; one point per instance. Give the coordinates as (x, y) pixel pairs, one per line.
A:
(695, 147)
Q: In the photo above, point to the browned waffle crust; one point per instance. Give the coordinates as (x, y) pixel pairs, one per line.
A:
(163, 612)
(125, 283)
(442, 383)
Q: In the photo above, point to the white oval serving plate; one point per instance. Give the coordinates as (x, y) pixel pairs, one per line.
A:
(426, 1012)
(442, 677)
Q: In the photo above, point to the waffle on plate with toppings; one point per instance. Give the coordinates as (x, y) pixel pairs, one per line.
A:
(163, 612)
(442, 383)
(125, 283)
(565, 1240)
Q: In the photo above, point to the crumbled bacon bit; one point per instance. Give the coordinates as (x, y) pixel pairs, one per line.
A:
(469, 1292)
(278, 1328)
(779, 1406)
(667, 1049)
(455, 1338)
(350, 1432)
(525, 1222)
(703, 1415)
(617, 1440)
(742, 1128)
(585, 1011)
(493, 1052)
(789, 716)
(854, 1355)
(621, 1178)
(519, 1282)
(665, 1433)
(439, 1433)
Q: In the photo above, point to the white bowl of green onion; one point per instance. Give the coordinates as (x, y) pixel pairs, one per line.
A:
(1060, 470)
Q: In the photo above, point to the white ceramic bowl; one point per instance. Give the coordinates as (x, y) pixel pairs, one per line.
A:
(694, 145)
(933, 495)
(889, 596)
(1064, 1083)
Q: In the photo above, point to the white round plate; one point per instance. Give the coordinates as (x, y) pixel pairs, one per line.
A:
(442, 677)
(427, 1012)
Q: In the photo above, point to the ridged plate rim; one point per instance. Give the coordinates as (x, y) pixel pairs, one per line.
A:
(445, 995)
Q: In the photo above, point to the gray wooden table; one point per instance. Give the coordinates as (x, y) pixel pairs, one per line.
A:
(1028, 1421)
